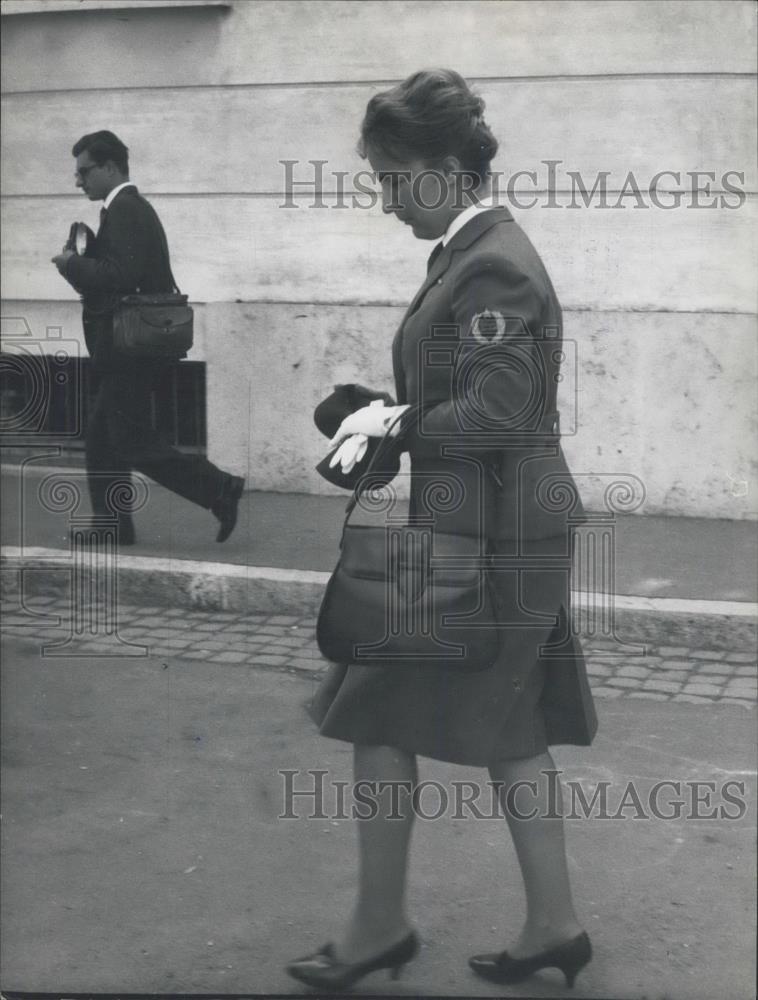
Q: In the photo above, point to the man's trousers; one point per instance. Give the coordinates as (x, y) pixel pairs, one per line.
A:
(120, 438)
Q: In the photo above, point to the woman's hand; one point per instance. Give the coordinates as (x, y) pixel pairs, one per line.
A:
(372, 421)
(350, 452)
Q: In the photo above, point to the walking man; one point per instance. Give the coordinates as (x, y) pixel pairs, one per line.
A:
(129, 255)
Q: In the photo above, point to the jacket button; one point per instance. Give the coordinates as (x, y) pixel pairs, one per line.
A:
(517, 685)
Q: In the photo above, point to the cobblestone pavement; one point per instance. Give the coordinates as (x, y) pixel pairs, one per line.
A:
(287, 642)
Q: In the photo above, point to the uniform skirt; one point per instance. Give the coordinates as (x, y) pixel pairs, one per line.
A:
(534, 695)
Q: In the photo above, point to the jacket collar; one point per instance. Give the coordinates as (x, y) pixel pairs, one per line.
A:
(468, 234)
(475, 228)
(112, 195)
(468, 213)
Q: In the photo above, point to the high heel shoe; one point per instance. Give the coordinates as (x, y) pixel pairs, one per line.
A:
(501, 968)
(323, 970)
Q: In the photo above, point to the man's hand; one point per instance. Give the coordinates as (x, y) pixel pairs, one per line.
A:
(60, 260)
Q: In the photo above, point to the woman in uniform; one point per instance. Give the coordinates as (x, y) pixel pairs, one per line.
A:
(489, 421)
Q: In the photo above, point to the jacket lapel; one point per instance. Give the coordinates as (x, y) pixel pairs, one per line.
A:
(462, 240)
(103, 225)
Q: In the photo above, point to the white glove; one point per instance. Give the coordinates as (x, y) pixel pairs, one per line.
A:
(372, 420)
(350, 452)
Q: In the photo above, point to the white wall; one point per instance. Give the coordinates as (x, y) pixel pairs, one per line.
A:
(660, 303)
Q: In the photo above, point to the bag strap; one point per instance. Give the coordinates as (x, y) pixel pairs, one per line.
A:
(363, 482)
(415, 415)
(164, 246)
(117, 298)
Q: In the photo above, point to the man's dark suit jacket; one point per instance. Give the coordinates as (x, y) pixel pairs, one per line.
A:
(128, 256)
(479, 349)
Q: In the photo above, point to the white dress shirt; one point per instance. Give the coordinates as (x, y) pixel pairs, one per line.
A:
(465, 216)
(107, 201)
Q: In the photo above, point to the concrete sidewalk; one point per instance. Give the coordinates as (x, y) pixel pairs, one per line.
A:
(657, 557)
(144, 850)
(678, 581)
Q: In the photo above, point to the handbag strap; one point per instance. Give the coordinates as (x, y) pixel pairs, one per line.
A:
(363, 482)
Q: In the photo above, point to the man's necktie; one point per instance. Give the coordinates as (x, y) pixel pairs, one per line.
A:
(103, 213)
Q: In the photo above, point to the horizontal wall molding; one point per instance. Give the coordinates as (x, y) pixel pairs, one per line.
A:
(639, 126)
(32, 7)
(563, 195)
(251, 249)
(323, 41)
(329, 84)
(17, 304)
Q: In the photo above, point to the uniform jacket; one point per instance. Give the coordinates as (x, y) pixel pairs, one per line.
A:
(472, 353)
(479, 351)
(129, 255)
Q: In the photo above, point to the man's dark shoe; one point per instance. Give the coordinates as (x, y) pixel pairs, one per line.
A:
(126, 533)
(225, 508)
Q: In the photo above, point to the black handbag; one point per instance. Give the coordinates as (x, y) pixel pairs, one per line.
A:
(408, 595)
(158, 325)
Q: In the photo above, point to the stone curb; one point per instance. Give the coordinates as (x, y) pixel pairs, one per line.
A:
(269, 590)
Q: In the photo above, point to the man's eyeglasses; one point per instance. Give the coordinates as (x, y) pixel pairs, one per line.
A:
(82, 172)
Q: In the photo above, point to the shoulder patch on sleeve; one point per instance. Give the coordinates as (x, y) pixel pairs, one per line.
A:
(488, 327)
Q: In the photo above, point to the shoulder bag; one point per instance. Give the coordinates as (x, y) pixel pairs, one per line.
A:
(154, 326)
(409, 595)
